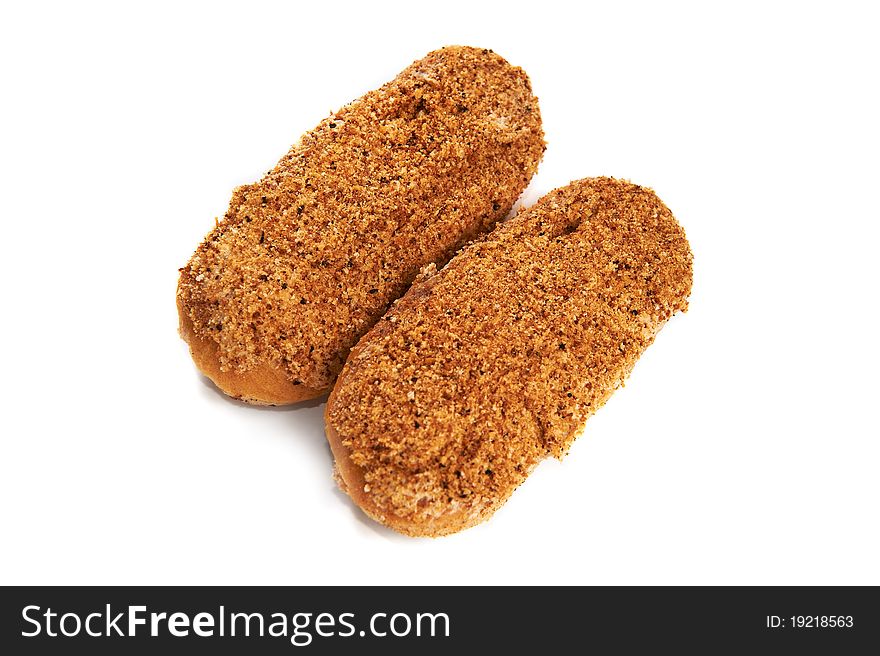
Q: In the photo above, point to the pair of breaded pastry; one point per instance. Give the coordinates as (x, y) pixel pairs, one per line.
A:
(482, 368)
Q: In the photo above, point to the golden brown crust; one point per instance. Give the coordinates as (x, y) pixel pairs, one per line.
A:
(351, 480)
(307, 259)
(262, 385)
(484, 369)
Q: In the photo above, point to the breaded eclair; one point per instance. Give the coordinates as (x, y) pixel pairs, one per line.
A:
(306, 260)
(495, 362)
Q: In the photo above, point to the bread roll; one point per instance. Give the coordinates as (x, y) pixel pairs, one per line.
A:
(491, 365)
(306, 260)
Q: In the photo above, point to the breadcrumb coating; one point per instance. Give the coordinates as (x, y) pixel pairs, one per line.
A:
(306, 260)
(484, 369)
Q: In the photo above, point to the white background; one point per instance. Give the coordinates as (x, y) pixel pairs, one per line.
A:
(744, 448)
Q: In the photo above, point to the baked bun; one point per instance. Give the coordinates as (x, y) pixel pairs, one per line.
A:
(494, 363)
(306, 260)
